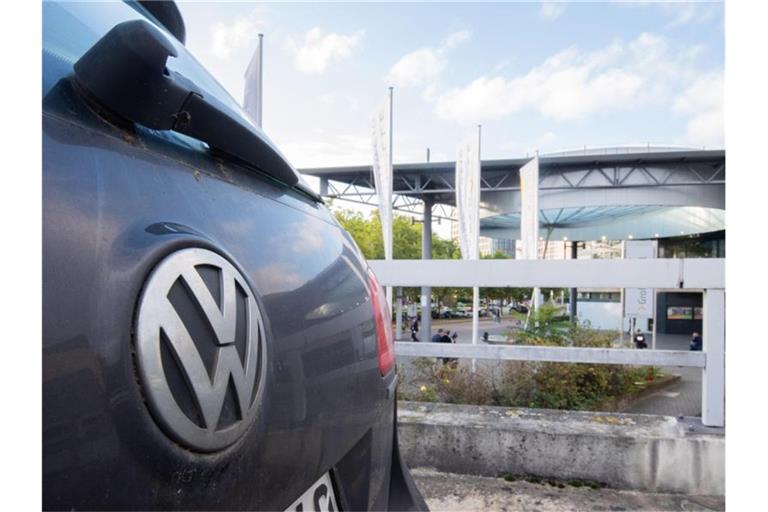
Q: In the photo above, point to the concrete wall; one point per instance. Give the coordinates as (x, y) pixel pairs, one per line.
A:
(607, 315)
(649, 453)
(602, 315)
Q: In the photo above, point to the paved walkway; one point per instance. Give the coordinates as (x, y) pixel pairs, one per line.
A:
(449, 492)
(680, 399)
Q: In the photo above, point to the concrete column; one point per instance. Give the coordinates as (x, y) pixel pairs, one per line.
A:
(426, 254)
(572, 291)
(713, 377)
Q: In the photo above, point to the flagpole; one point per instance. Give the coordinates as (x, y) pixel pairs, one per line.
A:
(389, 210)
(261, 80)
(476, 255)
(253, 92)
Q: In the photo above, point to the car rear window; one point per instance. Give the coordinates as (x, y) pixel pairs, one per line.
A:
(71, 28)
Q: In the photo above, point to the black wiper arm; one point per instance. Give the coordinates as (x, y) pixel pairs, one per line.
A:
(126, 72)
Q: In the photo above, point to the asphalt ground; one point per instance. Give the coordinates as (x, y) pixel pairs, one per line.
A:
(451, 492)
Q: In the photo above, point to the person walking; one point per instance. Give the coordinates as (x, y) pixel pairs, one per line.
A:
(448, 338)
(415, 329)
(639, 339)
(444, 337)
(696, 342)
(438, 336)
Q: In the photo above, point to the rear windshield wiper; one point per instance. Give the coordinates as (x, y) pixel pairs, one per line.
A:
(126, 72)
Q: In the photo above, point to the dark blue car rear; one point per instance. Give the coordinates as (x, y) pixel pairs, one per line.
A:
(119, 200)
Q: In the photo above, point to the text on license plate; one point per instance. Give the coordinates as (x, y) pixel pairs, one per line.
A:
(319, 497)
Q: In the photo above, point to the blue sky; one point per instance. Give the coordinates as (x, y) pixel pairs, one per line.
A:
(537, 76)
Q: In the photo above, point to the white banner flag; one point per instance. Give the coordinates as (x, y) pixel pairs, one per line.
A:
(252, 100)
(468, 197)
(529, 217)
(382, 171)
(468, 205)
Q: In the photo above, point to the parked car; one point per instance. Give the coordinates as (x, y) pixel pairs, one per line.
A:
(520, 308)
(198, 352)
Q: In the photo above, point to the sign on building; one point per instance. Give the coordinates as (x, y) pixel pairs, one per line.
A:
(529, 221)
(639, 302)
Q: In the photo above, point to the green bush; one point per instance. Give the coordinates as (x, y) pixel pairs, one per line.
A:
(565, 385)
(434, 381)
(573, 386)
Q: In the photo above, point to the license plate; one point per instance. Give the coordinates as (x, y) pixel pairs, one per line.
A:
(319, 498)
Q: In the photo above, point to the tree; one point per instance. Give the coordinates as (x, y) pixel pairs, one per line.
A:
(366, 235)
(406, 242)
(497, 293)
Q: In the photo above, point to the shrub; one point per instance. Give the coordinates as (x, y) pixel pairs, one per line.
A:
(448, 383)
(574, 386)
(565, 385)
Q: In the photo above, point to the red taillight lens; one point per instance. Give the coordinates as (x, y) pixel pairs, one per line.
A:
(383, 319)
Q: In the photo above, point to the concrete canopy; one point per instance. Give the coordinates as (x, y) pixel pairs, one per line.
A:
(616, 193)
(610, 222)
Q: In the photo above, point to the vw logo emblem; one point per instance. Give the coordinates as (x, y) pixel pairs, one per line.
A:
(200, 346)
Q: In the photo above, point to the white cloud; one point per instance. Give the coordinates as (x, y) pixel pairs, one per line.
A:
(679, 13)
(325, 150)
(229, 37)
(328, 99)
(529, 145)
(415, 68)
(702, 103)
(430, 92)
(501, 65)
(346, 101)
(454, 39)
(424, 64)
(551, 10)
(545, 142)
(683, 13)
(319, 49)
(573, 84)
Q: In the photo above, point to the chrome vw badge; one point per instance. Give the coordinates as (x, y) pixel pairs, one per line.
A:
(200, 349)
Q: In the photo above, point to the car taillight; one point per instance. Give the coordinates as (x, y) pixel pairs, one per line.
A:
(383, 319)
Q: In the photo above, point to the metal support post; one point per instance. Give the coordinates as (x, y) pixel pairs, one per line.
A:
(653, 334)
(713, 378)
(572, 291)
(426, 254)
(399, 313)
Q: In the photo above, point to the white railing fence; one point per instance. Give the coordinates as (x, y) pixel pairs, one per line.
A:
(704, 275)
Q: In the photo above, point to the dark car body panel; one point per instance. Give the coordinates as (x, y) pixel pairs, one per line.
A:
(117, 199)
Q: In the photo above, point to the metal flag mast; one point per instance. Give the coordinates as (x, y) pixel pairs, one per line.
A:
(388, 234)
(261, 81)
(254, 85)
(476, 255)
